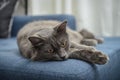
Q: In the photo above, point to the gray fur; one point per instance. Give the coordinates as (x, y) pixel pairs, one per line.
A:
(52, 40)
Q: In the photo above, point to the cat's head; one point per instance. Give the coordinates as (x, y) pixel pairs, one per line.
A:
(53, 47)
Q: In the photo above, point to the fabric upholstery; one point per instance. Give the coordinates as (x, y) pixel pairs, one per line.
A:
(15, 67)
(6, 12)
(20, 21)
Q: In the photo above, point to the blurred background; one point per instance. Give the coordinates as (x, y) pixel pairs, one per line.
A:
(102, 17)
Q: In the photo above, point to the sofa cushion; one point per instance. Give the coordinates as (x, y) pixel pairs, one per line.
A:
(15, 67)
(6, 11)
(20, 21)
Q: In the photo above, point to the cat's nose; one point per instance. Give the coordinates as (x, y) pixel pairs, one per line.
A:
(63, 57)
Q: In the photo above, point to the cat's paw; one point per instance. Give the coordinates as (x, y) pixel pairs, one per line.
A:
(99, 58)
(94, 56)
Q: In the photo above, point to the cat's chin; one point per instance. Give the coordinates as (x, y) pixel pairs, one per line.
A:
(52, 59)
(60, 59)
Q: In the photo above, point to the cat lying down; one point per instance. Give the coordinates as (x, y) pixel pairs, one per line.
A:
(53, 40)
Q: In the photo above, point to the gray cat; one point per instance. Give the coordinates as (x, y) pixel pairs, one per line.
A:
(53, 40)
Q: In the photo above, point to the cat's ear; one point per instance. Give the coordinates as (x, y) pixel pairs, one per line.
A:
(36, 40)
(61, 27)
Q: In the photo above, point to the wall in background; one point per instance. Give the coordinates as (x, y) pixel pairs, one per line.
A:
(101, 17)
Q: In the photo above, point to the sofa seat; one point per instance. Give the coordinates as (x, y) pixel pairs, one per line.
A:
(15, 67)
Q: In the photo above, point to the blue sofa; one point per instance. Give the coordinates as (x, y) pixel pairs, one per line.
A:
(15, 67)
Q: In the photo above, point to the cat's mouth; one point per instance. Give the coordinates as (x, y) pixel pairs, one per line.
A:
(55, 58)
(64, 57)
(60, 58)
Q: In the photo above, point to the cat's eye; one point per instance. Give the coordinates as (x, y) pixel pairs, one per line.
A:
(63, 44)
(50, 50)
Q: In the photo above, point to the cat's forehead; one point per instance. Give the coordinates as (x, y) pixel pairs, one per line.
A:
(45, 32)
(47, 46)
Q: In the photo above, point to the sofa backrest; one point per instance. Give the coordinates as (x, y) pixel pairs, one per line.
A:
(20, 21)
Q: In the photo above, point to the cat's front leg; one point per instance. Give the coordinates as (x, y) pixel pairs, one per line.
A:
(80, 46)
(94, 56)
